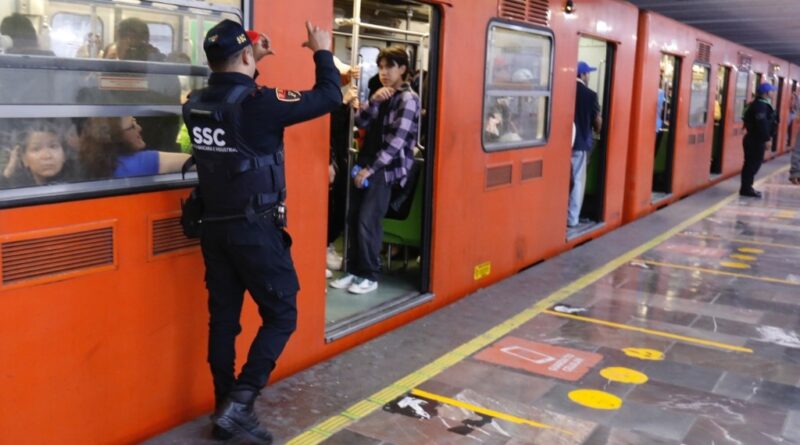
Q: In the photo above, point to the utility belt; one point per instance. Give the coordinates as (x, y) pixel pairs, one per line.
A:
(277, 213)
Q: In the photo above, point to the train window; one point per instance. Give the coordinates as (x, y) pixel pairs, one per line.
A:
(698, 105)
(74, 35)
(98, 112)
(740, 101)
(517, 87)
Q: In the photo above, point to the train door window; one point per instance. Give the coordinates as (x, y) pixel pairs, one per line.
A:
(599, 54)
(778, 97)
(401, 268)
(698, 101)
(666, 105)
(740, 98)
(720, 107)
(516, 104)
(161, 35)
(74, 35)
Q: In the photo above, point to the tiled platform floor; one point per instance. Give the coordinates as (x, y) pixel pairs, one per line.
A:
(690, 338)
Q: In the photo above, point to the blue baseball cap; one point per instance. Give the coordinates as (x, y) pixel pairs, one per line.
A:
(225, 39)
(765, 88)
(584, 68)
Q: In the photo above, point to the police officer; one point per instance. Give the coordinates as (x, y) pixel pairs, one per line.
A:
(237, 140)
(760, 122)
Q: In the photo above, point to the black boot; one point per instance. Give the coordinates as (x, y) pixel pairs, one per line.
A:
(236, 416)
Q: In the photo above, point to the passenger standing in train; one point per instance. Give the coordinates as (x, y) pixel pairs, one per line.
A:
(759, 120)
(40, 157)
(587, 119)
(391, 118)
(237, 129)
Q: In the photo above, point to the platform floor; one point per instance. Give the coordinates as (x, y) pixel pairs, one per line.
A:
(680, 328)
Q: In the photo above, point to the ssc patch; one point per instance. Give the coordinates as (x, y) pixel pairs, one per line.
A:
(287, 95)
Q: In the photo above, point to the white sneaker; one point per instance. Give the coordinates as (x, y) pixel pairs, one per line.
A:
(362, 286)
(343, 282)
(333, 260)
(328, 273)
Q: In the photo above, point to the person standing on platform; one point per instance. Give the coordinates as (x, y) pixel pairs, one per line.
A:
(237, 140)
(794, 171)
(759, 121)
(587, 119)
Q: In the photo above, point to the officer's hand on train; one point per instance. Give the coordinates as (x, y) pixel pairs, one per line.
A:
(262, 47)
(361, 176)
(382, 94)
(318, 39)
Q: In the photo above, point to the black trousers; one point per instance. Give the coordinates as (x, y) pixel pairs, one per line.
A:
(753, 158)
(368, 207)
(253, 256)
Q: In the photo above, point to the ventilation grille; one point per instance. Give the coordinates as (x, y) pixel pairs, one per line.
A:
(745, 62)
(701, 138)
(497, 176)
(58, 254)
(703, 52)
(168, 236)
(531, 11)
(532, 170)
(692, 139)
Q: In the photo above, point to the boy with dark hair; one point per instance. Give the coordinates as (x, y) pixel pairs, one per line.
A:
(391, 118)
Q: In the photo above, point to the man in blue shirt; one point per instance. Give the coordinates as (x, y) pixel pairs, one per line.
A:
(587, 119)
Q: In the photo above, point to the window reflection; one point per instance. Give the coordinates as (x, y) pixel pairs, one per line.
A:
(698, 105)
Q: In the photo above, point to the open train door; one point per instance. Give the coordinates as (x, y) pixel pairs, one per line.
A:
(666, 120)
(600, 54)
(361, 29)
(720, 107)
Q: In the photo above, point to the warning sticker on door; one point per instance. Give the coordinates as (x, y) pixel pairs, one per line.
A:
(540, 358)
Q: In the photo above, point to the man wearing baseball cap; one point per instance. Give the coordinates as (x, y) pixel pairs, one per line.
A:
(760, 122)
(237, 143)
(587, 118)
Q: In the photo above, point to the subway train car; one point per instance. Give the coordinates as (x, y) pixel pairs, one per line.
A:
(103, 315)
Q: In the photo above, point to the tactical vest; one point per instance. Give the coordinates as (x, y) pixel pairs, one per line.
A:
(236, 177)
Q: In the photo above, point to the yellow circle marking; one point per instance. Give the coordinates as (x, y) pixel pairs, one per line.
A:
(644, 353)
(592, 398)
(738, 256)
(750, 250)
(734, 265)
(623, 375)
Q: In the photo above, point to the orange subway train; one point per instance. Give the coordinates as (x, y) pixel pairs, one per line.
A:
(103, 317)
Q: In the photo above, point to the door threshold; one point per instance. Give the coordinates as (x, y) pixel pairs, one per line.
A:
(657, 197)
(357, 322)
(583, 229)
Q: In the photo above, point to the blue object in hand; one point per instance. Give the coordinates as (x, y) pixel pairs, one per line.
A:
(355, 171)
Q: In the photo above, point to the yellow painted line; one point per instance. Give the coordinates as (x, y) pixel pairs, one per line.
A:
(739, 256)
(787, 214)
(721, 272)
(654, 332)
(734, 265)
(742, 241)
(485, 411)
(750, 250)
(412, 380)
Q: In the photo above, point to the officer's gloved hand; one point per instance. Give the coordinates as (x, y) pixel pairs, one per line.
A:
(318, 39)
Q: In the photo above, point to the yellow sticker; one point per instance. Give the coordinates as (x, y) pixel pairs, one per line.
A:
(750, 250)
(592, 398)
(623, 375)
(738, 256)
(734, 265)
(644, 353)
(482, 270)
(787, 214)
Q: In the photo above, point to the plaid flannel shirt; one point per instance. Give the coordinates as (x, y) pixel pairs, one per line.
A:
(396, 156)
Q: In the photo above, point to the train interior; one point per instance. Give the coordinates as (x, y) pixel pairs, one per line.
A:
(779, 83)
(720, 107)
(600, 54)
(403, 280)
(666, 119)
(793, 108)
(64, 63)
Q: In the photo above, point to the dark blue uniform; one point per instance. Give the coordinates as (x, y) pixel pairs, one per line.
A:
(237, 130)
(759, 120)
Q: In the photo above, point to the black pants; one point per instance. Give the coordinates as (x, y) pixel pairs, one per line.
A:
(252, 256)
(367, 208)
(337, 195)
(753, 157)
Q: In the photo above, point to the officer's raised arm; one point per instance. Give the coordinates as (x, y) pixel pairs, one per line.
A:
(295, 106)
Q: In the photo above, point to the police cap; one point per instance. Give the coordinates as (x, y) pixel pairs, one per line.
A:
(225, 39)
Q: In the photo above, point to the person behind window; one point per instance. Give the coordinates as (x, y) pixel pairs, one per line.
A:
(23, 36)
(133, 43)
(587, 118)
(40, 158)
(114, 147)
(391, 118)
